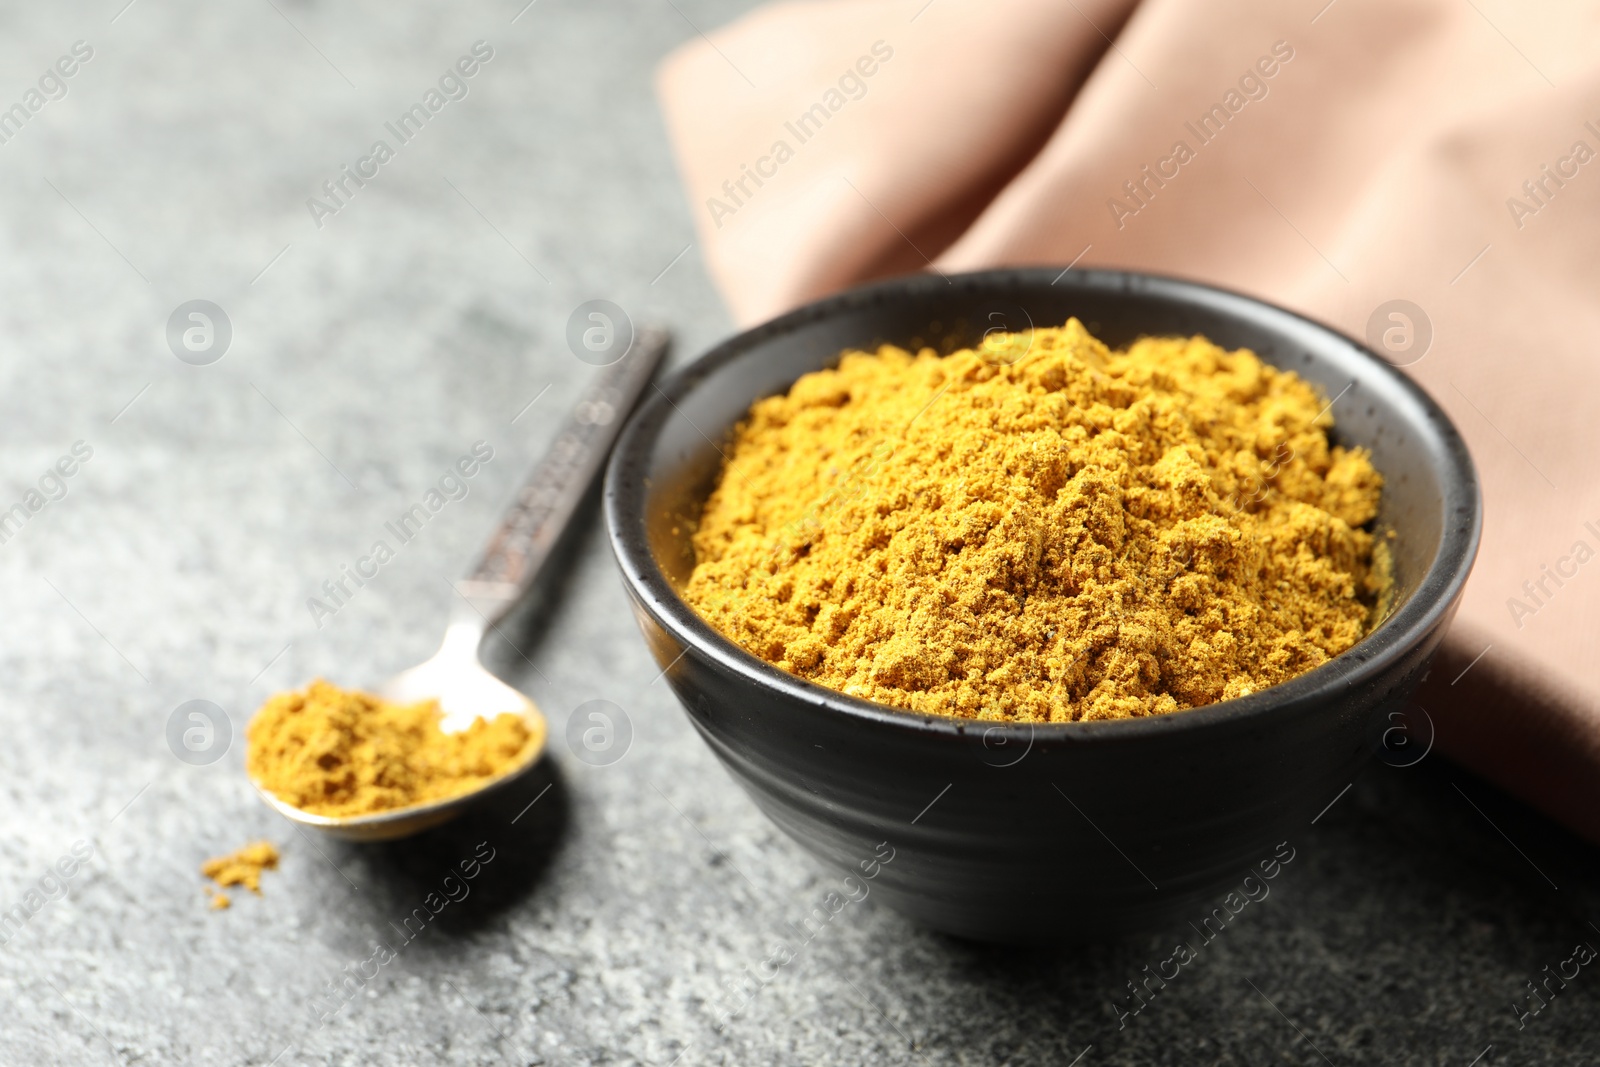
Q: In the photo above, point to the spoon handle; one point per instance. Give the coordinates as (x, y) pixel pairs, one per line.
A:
(545, 504)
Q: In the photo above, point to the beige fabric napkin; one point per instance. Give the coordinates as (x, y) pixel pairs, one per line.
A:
(1331, 157)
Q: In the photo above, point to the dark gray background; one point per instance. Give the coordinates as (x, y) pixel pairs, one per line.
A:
(373, 352)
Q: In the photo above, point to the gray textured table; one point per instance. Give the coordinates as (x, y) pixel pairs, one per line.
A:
(622, 915)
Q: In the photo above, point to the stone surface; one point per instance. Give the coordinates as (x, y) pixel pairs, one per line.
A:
(620, 916)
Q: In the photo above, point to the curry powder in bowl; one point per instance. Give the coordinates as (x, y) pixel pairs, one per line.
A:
(1042, 529)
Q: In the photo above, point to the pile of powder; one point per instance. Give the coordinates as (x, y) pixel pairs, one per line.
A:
(243, 867)
(331, 751)
(1042, 529)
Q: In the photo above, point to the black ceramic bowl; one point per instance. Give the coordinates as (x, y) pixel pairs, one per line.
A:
(1070, 830)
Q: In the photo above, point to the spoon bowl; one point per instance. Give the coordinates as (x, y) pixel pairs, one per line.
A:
(466, 691)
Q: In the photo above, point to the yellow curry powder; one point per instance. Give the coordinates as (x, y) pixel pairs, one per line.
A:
(331, 751)
(1042, 529)
(243, 867)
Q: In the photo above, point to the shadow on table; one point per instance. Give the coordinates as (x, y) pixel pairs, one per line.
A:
(464, 874)
(1405, 931)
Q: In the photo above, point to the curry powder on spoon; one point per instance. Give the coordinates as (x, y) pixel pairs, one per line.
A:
(1043, 529)
(337, 752)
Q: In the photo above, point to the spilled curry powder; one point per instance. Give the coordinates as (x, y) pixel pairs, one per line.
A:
(243, 867)
(1043, 529)
(337, 752)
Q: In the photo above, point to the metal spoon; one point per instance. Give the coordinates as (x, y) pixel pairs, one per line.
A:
(521, 545)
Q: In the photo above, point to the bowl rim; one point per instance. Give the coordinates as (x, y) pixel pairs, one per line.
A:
(1429, 605)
